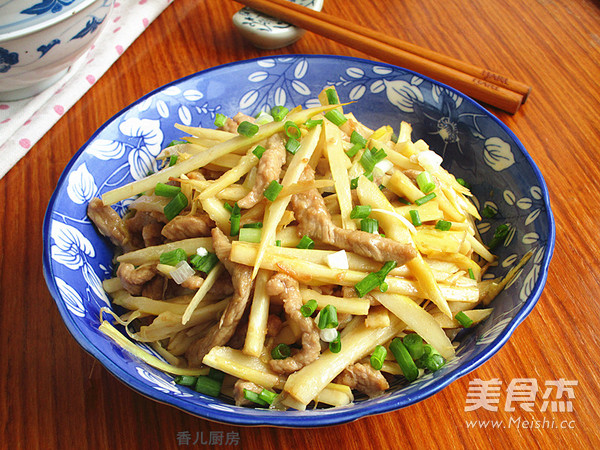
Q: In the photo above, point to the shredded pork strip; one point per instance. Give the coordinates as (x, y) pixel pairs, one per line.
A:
(289, 290)
(363, 378)
(269, 168)
(315, 221)
(188, 226)
(231, 125)
(241, 278)
(132, 279)
(109, 224)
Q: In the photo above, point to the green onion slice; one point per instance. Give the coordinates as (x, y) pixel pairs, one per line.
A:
(336, 345)
(175, 206)
(306, 243)
(425, 182)
(311, 123)
(378, 357)
(463, 319)
(443, 225)
(292, 130)
(204, 263)
(332, 97)
(336, 117)
(499, 235)
(281, 351)
(208, 386)
(357, 139)
(258, 151)
(279, 113)
(309, 308)
(360, 212)
(425, 199)
(369, 225)
(292, 145)
(415, 218)
(250, 235)
(173, 160)
(351, 153)
(173, 257)
(186, 380)
(405, 361)
(220, 120)
(328, 318)
(254, 397)
(166, 190)
(247, 129)
(267, 396)
(236, 215)
(414, 344)
(272, 190)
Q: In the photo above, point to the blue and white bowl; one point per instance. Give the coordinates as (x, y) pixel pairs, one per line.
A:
(475, 145)
(269, 32)
(41, 39)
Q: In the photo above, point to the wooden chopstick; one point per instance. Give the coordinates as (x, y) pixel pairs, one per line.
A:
(479, 83)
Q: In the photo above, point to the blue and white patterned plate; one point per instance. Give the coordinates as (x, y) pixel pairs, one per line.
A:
(475, 145)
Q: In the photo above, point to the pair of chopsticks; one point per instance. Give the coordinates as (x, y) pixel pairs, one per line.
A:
(479, 83)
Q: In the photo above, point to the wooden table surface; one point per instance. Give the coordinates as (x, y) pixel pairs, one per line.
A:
(54, 395)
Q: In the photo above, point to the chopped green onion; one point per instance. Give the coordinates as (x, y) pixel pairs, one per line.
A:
(216, 374)
(414, 344)
(499, 235)
(488, 212)
(311, 123)
(281, 351)
(258, 151)
(405, 361)
(175, 206)
(415, 218)
(279, 113)
(267, 396)
(381, 187)
(208, 386)
(336, 345)
(354, 183)
(332, 97)
(247, 129)
(250, 235)
(374, 279)
(383, 287)
(335, 117)
(175, 142)
(236, 215)
(278, 243)
(253, 225)
(434, 362)
(328, 318)
(462, 182)
(228, 207)
(204, 263)
(186, 380)
(378, 357)
(443, 225)
(166, 190)
(306, 243)
(292, 130)
(471, 274)
(403, 200)
(254, 397)
(371, 157)
(351, 153)
(173, 160)
(425, 182)
(309, 308)
(150, 172)
(357, 138)
(463, 319)
(292, 145)
(173, 257)
(425, 199)
(369, 225)
(220, 120)
(360, 212)
(272, 190)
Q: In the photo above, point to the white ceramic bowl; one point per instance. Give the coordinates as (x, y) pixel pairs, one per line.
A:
(268, 32)
(41, 39)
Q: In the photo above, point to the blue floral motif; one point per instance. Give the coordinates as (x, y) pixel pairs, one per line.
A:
(90, 27)
(7, 59)
(45, 6)
(43, 49)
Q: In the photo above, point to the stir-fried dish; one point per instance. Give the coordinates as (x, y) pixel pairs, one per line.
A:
(295, 258)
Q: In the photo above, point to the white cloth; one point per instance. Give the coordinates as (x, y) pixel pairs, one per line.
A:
(24, 122)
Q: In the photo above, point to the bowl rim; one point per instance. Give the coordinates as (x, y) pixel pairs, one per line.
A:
(343, 415)
(44, 24)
